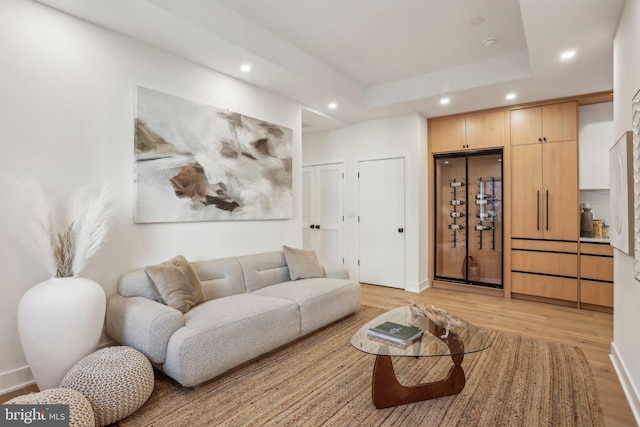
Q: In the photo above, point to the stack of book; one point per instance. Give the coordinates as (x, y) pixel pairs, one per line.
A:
(395, 333)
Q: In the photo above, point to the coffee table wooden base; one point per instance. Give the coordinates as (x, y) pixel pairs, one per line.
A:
(387, 390)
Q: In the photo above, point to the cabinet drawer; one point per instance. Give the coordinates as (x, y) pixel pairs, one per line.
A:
(545, 286)
(596, 267)
(560, 264)
(597, 293)
(596, 249)
(544, 245)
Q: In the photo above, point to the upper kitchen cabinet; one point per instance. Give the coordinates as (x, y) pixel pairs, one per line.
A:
(446, 134)
(485, 130)
(547, 123)
(472, 132)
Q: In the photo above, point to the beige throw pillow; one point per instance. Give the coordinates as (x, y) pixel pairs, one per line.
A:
(303, 264)
(175, 283)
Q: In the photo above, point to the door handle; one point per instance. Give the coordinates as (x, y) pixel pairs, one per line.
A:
(318, 227)
(400, 230)
(547, 210)
(538, 211)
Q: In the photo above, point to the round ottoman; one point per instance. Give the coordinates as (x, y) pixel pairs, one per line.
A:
(80, 412)
(116, 381)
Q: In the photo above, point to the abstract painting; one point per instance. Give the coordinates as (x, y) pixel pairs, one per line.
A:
(196, 162)
(635, 128)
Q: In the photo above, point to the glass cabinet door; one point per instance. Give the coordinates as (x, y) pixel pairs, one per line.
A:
(468, 203)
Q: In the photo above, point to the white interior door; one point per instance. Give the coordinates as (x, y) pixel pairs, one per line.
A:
(323, 211)
(381, 203)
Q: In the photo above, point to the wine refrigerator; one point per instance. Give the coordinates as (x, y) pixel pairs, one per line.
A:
(468, 218)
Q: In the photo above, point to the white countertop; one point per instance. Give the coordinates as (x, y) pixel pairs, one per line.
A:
(604, 240)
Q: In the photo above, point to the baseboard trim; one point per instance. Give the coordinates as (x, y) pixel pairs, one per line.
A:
(417, 287)
(21, 377)
(633, 397)
(15, 380)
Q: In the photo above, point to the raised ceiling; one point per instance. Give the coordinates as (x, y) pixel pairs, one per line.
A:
(375, 58)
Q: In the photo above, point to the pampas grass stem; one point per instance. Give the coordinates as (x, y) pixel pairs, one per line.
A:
(64, 250)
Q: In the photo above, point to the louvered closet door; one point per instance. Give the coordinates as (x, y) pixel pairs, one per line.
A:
(323, 211)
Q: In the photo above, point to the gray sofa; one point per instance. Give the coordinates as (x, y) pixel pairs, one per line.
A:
(251, 307)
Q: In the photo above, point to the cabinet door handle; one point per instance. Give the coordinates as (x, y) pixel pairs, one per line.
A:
(538, 210)
(311, 226)
(547, 210)
(318, 227)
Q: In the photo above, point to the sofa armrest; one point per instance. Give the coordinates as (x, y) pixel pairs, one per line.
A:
(336, 271)
(143, 324)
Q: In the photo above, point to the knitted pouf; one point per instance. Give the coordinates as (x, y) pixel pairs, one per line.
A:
(80, 412)
(116, 381)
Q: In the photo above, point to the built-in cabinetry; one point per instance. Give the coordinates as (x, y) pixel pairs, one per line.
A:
(596, 276)
(544, 201)
(472, 132)
(547, 123)
(543, 258)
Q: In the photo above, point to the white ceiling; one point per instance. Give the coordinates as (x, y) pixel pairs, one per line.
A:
(376, 58)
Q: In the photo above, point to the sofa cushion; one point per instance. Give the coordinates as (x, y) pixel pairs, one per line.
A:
(321, 301)
(302, 263)
(175, 282)
(263, 269)
(223, 333)
(219, 277)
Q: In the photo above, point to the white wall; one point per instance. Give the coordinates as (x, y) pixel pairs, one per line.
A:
(625, 349)
(401, 136)
(595, 130)
(66, 117)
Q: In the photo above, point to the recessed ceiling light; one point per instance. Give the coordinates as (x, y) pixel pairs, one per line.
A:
(568, 54)
(490, 41)
(333, 105)
(511, 96)
(444, 101)
(245, 67)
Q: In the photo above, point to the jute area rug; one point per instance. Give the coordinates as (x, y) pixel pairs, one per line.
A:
(321, 380)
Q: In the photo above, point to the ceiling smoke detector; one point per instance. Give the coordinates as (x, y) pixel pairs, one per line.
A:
(488, 42)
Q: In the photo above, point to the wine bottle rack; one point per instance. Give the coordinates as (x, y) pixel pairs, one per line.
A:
(458, 209)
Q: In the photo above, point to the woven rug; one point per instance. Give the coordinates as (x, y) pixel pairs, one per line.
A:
(322, 380)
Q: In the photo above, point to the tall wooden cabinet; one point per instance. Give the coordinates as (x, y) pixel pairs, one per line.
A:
(545, 201)
(544, 191)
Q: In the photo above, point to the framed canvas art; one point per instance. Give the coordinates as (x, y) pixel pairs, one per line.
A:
(196, 162)
(635, 128)
(621, 234)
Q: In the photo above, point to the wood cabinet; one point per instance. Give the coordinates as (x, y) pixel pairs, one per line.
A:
(543, 268)
(544, 191)
(544, 202)
(547, 123)
(596, 276)
(446, 134)
(472, 132)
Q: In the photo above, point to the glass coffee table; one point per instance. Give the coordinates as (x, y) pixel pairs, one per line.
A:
(386, 390)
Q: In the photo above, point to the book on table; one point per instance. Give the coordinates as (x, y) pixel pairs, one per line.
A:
(395, 332)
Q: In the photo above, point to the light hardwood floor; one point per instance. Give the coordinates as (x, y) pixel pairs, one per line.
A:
(590, 331)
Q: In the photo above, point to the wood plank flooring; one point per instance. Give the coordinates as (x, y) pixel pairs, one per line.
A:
(590, 331)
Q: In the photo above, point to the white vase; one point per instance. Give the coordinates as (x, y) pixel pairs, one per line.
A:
(60, 321)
